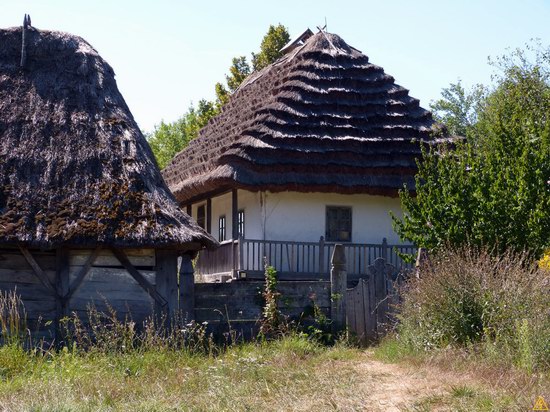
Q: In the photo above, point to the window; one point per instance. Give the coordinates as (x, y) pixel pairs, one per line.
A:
(201, 216)
(221, 228)
(338, 225)
(240, 222)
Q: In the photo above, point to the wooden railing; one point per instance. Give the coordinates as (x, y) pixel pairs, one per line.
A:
(222, 260)
(296, 260)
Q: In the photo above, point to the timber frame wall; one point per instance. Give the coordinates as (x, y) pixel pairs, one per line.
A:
(134, 282)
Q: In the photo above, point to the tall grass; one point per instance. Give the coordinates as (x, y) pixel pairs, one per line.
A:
(471, 298)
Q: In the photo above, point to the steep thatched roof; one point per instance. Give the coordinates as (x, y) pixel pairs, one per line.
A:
(322, 118)
(74, 167)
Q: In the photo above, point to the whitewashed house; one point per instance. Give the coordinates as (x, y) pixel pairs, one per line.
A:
(309, 151)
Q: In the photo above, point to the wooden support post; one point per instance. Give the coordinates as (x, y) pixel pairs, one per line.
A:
(189, 209)
(62, 288)
(384, 254)
(241, 254)
(322, 257)
(234, 214)
(209, 215)
(167, 279)
(187, 289)
(338, 287)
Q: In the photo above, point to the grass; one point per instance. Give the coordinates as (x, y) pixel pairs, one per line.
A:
(474, 381)
(255, 376)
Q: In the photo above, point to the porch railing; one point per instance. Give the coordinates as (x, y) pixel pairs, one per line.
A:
(296, 260)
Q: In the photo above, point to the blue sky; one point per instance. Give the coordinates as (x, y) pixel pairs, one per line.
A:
(167, 54)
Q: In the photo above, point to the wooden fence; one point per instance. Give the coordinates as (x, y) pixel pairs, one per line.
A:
(365, 309)
(238, 305)
(297, 260)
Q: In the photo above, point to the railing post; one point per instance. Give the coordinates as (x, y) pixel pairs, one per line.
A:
(338, 286)
(322, 256)
(241, 253)
(385, 249)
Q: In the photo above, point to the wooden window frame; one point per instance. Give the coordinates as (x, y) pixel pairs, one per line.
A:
(201, 220)
(222, 228)
(343, 226)
(240, 222)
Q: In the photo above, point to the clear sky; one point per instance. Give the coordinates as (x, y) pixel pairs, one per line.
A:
(167, 54)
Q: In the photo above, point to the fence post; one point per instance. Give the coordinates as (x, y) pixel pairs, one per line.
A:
(385, 249)
(187, 289)
(338, 285)
(322, 257)
(241, 253)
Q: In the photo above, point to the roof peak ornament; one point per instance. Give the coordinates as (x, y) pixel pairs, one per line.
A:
(26, 25)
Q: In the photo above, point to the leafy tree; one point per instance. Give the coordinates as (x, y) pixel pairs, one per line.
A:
(270, 49)
(458, 108)
(238, 71)
(494, 188)
(169, 138)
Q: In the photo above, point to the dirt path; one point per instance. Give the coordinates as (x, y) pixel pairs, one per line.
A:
(397, 387)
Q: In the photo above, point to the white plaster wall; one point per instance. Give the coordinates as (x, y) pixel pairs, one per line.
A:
(301, 216)
(221, 206)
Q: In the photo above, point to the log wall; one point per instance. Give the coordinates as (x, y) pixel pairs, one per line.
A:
(17, 274)
(109, 284)
(69, 281)
(238, 305)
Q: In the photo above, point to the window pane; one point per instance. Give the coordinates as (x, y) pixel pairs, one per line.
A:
(201, 216)
(338, 224)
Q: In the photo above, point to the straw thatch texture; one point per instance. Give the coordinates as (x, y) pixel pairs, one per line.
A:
(74, 167)
(322, 118)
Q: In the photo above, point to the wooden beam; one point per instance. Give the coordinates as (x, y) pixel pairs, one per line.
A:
(209, 215)
(167, 278)
(38, 270)
(234, 214)
(187, 288)
(144, 283)
(81, 274)
(62, 274)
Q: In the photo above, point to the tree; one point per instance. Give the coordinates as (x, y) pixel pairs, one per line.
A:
(458, 108)
(239, 70)
(270, 49)
(168, 139)
(494, 188)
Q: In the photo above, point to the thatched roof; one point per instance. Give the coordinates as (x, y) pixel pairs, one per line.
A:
(322, 118)
(74, 167)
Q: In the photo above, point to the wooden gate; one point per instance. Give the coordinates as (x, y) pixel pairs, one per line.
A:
(369, 304)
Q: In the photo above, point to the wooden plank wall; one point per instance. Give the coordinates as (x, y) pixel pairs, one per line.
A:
(17, 274)
(240, 303)
(108, 283)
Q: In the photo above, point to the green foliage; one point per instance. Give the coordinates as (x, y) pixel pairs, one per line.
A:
(471, 298)
(270, 49)
(272, 321)
(238, 71)
(458, 108)
(169, 138)
(494, 188)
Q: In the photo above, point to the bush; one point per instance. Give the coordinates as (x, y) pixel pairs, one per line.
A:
(472, 298)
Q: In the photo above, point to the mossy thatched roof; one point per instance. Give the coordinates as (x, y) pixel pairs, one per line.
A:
(74, 167)
(322, 118)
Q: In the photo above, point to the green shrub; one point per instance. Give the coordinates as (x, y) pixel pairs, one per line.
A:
(472, 298)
